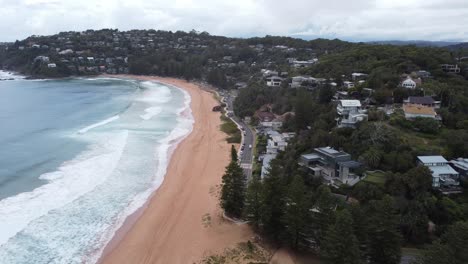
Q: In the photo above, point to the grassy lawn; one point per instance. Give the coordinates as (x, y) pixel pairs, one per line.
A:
(230, 128)
(420, 142)
(377, 178)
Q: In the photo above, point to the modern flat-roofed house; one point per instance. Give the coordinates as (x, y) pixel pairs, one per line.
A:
(443, 175)
(299, 81)
(350, 113)
(333, 166)
(450, 68)
(358, 76)
(461, 166)
(274, 81)
(413, 110)
(51, 65)
(422, 100)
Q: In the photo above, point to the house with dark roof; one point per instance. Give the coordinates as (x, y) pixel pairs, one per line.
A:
(422, 100)
(333, 166)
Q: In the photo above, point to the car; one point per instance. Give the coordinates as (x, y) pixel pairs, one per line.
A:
(250, 146)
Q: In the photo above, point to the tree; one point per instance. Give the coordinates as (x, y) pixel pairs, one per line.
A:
(253, 202)
(233, 153)
(340, 245)
(233, 188)
(324, 212)
(296, 216)
(450, 249)
(384, 239)
(272, 202)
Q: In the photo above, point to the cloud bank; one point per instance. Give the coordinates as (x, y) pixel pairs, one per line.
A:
(359, 20)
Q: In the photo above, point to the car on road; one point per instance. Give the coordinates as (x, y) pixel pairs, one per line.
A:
(250, 146)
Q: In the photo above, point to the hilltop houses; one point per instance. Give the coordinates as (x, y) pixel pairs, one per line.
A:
(303, 81)
(443, 175)
(333, 166)
(350, 113)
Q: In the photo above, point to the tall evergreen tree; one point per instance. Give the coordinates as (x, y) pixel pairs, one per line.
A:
(253, 201)
(233, 153)
(340, 245)
(233, 188)
(296, 216)
(384, 239)
(272, 202)
(324, 213)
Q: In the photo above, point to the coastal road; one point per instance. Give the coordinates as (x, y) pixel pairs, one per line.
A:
(246, 158)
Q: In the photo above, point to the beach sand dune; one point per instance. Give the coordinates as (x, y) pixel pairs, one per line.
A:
(182, 222)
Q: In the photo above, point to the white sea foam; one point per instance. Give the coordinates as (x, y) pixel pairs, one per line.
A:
(155, 93)
(98, 124)
(151, 112)
(5, 75)
(72, 180)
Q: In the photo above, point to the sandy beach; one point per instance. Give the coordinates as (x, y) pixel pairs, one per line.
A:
(182, 222)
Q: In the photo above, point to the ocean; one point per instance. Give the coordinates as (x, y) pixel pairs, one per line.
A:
(77, 157)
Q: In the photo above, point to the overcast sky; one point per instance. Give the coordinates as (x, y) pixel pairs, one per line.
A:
(357, 20)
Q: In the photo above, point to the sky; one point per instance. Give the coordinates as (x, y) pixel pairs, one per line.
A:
(353, 20)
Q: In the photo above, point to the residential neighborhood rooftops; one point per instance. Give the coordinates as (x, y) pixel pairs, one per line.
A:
(432, 159)
(460, 163)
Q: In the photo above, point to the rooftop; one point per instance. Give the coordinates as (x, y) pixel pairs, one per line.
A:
(432, 159)
(442, 170)
(423, 100)
(350, 103)
(419, 109)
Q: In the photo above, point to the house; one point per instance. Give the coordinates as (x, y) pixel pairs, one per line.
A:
(348, 84)
(350, 113)
(269, 73)
(274, 81)
(299, 81)
(51, 65)
(333, 166)
(409, 83)
(461, 166)
(423, 74)
(264, 116)
(358, 76)
(443, 175)
(276, 142)
(422, 100)
(450, 68)
(414, 110)
(43, 59)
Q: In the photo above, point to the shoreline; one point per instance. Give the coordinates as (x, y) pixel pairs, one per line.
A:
(181, 222)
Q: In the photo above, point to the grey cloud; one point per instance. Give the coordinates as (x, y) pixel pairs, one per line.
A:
(355, 20)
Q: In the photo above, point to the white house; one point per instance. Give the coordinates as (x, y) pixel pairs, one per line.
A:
(443, 175)
(350, 113)
(274, 81)
(358, 76)
(409, 83)
(51, 65)
(299, 81)
(348, 84)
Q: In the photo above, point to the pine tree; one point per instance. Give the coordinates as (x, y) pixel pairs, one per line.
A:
(323, 213)
(272, 202)
(253, 202)
(296, 216)
(384, 238)
(233, 153)
(340, 245)
(233, 188)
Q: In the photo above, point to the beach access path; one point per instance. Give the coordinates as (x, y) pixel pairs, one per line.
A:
(182, 223)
